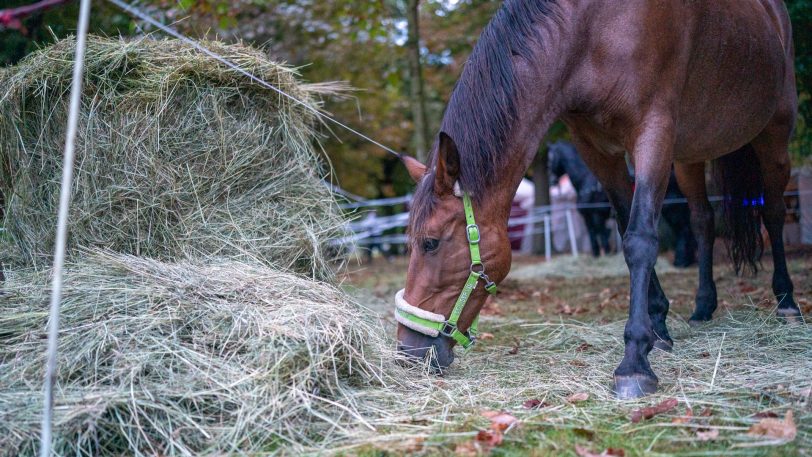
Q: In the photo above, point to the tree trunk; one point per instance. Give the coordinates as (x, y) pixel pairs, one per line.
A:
(541, 180)
(418, 96)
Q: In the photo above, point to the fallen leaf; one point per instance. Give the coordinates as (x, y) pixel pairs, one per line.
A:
(689, 415)
(584, 433)
(534, 403)
(765, 414)
(515, 349)
(651, 411)
(468, 449)
(610, 452)
(578, 397)
(485, 336)
(783, 429)
(578, 363)
(707, 412)
(500, 421)
(583, 347)
(704, 354)
(489, 437)
(709, 435)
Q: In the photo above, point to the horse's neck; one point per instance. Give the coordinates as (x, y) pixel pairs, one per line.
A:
(578, 173)
(539, 104)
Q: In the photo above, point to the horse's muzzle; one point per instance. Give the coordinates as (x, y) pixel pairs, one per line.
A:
(419, 347)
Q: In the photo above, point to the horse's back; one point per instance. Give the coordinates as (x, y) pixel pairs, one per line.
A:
(719, 69)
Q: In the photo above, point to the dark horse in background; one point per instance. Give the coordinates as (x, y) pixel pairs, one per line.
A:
(562, 158)
(668, 82)
(677, 216)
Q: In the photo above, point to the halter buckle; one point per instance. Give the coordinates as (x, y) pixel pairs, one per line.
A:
(448, 329)
(472, 232)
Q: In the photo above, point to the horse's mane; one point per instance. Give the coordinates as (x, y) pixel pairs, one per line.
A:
(482, 108)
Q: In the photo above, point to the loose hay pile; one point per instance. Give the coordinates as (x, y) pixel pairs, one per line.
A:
(194, 316)
(182, 358)
(177, 156)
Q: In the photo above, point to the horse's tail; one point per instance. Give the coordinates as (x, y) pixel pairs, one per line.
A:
(738, 176)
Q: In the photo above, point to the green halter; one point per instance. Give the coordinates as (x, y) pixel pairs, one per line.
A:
(477, 272)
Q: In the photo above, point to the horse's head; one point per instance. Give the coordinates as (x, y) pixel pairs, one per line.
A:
(446, 284)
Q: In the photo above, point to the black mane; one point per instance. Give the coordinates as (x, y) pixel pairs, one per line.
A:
(482, 108)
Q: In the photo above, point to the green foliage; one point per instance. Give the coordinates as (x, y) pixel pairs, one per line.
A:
(801, 13)
(361, 43)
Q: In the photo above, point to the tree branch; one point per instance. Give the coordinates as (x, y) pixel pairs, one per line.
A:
(12, 18)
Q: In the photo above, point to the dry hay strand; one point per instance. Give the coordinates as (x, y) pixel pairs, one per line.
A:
(583, 266)
(744, 362)
(184, 359)
(177, 156)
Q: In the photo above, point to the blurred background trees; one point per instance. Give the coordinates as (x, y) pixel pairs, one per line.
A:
(402, 80)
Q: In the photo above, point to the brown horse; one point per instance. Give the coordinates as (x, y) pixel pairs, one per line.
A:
(668, 82)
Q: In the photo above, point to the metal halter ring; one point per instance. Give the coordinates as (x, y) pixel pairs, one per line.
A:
(481, 272)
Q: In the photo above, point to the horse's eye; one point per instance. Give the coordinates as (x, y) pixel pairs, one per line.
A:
(430, 244)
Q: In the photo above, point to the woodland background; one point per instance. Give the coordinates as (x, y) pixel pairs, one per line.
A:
(401, 56)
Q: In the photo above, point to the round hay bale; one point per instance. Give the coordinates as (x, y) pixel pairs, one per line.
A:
(177, 156)
(183, 359)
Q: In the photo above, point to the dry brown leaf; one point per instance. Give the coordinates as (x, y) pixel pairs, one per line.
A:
(534, 403)
(468, 449)
(500, 421)
(515, 349)
(578, 397)
(651, 411)
(709, 435)
(610, 452)
(689, 415)
(782, 429)
(484, 336)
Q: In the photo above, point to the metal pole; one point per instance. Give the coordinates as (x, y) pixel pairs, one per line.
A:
(548, 239)
(571, 230)
(62, 228)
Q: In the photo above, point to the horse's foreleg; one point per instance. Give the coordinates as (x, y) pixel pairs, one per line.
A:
(691, 179)
(771, 148)
(652, 155)
(611, 171)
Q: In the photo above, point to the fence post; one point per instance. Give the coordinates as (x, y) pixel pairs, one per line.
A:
(548, 241)
(571, 230)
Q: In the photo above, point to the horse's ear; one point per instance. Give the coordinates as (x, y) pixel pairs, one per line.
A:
(416, 169)
(448, 165)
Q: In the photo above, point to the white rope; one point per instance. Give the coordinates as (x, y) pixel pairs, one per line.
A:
(147, 18)
(62, 228)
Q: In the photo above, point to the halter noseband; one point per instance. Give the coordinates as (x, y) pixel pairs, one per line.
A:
(432, 324)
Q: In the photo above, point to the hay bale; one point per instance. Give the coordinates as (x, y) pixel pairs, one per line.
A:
(177, 156)
(182, 359)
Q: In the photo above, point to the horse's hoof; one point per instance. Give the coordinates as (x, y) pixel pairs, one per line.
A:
(664, 345)
(790, 316)
(694, 323)
(634, 386)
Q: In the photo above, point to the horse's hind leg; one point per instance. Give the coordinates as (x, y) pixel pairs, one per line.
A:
(771, 148)
(691, 179)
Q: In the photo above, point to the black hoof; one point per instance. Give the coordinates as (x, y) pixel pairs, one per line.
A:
(791, 316)
(664, 345)
(635, 386)
(698, 321)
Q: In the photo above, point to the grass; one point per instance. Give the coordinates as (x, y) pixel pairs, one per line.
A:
(569, 338)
